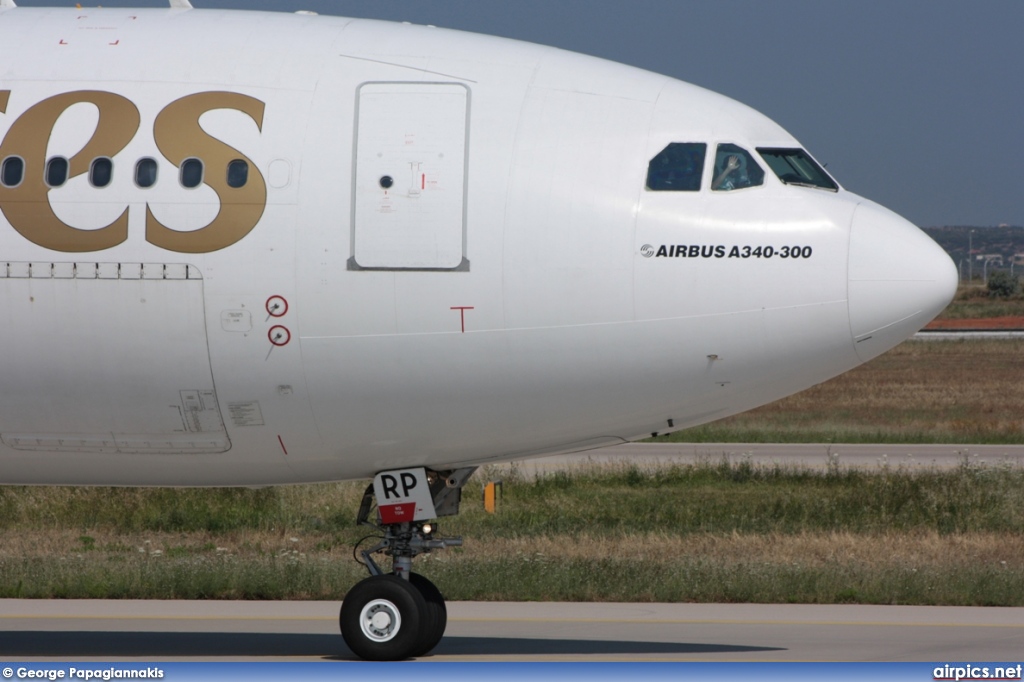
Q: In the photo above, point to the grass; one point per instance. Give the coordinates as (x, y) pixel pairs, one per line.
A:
(919, 392)
(707, 532)
(974, 302)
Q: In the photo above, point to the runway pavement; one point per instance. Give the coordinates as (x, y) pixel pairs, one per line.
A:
(479, 631)
(818, 455)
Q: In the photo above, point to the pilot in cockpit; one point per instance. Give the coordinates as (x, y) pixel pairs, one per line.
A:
(735, 169)
(731, 174)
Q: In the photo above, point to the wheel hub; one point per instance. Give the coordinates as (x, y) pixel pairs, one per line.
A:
(380, 620)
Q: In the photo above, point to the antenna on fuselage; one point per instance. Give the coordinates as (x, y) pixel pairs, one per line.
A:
(175, 4)
(7, 4)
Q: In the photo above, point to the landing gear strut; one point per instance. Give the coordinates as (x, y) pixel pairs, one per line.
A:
(399, 614)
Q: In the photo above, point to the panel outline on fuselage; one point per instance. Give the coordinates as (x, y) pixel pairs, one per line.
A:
(464, 265)
(75, 279)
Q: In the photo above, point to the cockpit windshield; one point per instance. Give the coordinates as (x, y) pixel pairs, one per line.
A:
(677, 168)
(796, 167)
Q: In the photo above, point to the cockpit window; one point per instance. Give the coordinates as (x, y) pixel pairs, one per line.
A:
(796, 167)
(735, 168)
(677, 168)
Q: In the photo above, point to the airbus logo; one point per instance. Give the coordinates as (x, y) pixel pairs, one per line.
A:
(726, 251)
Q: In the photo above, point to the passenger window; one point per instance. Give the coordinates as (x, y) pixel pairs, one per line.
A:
(101, 172)
(677, 168)
(735, 168)
(57, 171)
(796, 167)
(12, 172)
(191, 173)
(238, 173)
(145, 173)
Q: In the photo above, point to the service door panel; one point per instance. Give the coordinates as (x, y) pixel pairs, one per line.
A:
(409, 202)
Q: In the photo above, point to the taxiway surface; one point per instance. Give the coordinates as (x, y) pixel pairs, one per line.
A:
(814, 455)
(480, 631)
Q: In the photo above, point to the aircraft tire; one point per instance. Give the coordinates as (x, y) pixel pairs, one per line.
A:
(436, 614)
(383, 619)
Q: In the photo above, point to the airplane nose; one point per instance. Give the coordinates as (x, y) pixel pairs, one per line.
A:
(899, 279)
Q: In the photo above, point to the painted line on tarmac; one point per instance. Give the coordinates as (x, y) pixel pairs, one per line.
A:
(32, 616)
(705, 621)
(610, 621)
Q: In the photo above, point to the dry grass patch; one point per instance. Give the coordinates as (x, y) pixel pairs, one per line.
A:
(911, 568)
(805, 549)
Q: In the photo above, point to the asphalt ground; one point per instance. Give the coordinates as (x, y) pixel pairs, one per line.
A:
(814, 455)
(32, 630)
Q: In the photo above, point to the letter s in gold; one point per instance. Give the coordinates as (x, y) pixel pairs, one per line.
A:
(179, 136)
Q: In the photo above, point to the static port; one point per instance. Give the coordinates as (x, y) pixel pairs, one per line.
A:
(387, 181)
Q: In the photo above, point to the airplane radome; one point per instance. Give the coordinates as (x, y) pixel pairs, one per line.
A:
(244, 249)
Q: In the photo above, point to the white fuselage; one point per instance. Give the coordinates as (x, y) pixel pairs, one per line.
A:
(512, 289)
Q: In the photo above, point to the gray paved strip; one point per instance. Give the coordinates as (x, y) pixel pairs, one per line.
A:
(816, 455)
(968, 335)
(480, 631)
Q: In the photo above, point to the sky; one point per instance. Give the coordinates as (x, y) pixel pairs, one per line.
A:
(916, 104)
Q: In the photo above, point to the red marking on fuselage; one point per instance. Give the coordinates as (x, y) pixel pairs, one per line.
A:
(283, 448)
(423, 181)
(462, 314)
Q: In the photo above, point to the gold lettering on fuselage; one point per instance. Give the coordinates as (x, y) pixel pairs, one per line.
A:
(27, 206)
(178, 136)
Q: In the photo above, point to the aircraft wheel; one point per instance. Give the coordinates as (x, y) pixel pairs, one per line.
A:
(383, 618)
(436, 614)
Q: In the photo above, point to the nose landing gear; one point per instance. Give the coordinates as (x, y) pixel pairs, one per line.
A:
(382, 618)
(401, 614)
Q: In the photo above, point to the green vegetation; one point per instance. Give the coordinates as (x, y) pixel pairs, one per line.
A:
(708, 532)
(975, 308)
(743, 498)
(975, 302)
(1002, 284)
